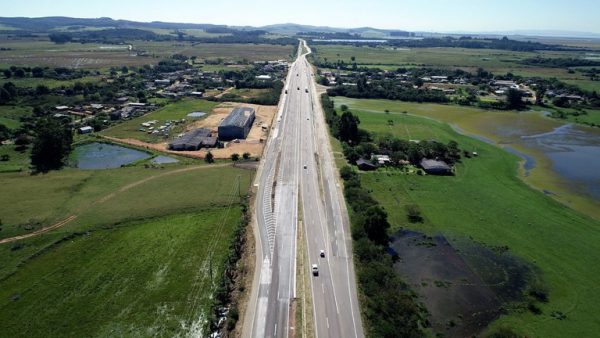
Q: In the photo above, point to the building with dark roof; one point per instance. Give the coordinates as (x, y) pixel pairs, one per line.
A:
(435, 167)
(365, 165)
(237, 124)
(194, 140)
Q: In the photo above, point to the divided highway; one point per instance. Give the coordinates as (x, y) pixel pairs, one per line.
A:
(297, 173)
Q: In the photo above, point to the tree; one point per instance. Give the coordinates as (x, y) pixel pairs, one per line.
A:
(235, 157)
(7, 73)
(19, 72)
(52, 145)
(349, 128)
(42, 89)
(60, 38)
(419, 82)
(514, 99)
(5, 133)
(4, 96)
(37, 72)
(246, 155)
(124, 70)
(209, 158)
(540, 90)
(376, 225)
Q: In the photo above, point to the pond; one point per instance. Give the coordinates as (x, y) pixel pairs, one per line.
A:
(464, 285)
(105, 156)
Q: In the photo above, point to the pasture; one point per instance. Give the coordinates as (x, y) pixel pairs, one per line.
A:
(140, 278)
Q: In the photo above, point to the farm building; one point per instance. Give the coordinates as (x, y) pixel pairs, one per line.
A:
(86, 130)
(194, 140)
(365, 165)
(237, 124)
(435, 167)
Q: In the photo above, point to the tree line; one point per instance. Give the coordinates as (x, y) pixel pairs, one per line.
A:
(559, 62)
(387, 89)
(382, 290)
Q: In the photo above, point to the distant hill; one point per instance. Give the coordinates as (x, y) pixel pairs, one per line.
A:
(47, 24)
(24, 25)
(59, 23)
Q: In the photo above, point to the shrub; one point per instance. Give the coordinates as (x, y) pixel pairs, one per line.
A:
(414, 213)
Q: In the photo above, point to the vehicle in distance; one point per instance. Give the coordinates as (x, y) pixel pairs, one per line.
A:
(306, 90)
(305, 166)
(298, 88)
(315, 270)
(322, 253)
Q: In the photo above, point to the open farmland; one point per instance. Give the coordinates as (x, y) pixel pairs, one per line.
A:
(31, 52)
(496, 61)
(138, 238)
(31, 82)
(144, 278)
(559, 241)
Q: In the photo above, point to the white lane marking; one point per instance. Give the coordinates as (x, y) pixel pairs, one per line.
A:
(337, 206)
(327, 319)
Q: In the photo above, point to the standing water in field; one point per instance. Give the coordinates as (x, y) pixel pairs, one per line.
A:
(105, 156)
(464, 285)
(575, 155)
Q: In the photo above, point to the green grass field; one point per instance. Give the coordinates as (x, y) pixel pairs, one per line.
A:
(17, 160)
(174, 111)
(32, 82)
(488, 202)
(146, 278)
(138, 252)
(500, 127)
(13, 113)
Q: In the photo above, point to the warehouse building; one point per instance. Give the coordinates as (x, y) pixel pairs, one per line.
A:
(237, 124)
(194, 140)
(435, 167)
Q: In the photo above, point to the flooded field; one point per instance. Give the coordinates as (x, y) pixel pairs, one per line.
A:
(575, 156)
(105, 156)
(464, 285)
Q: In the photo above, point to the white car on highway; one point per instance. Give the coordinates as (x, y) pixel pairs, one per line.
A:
(315, 270)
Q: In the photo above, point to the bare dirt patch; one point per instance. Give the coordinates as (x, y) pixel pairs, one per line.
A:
(253, 144)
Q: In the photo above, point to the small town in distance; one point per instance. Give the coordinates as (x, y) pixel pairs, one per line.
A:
(232, 170)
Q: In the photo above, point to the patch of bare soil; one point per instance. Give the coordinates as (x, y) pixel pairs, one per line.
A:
(253, 144)
(39, 232)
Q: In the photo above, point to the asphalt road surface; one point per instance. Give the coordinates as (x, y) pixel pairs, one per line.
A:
(297, 173)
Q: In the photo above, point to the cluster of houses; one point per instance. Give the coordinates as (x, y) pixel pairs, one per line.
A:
(430, 166)
(116, 111)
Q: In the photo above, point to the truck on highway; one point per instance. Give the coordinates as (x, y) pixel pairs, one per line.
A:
(306, 89)
(315, 270)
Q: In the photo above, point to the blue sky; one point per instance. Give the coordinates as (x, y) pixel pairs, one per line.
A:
(422, 15)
